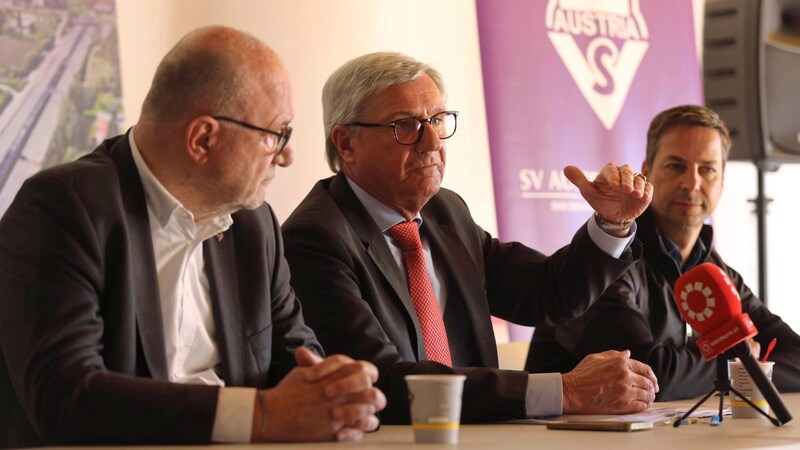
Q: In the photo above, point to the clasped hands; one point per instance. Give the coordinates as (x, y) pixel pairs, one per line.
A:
(618, 193)
(320, 400)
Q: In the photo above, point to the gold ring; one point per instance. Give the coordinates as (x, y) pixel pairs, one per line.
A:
(640, 175)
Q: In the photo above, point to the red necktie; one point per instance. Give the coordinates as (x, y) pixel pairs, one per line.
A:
(419, 285)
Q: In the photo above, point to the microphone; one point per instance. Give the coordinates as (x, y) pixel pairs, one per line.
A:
(708, 301)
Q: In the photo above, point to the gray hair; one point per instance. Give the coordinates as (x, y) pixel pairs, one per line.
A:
(349, 87)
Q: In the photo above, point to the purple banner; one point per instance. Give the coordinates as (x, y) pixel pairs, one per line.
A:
(575, 82)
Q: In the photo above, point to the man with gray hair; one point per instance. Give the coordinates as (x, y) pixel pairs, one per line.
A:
(145, 297)
(687, 147)
(391, 268)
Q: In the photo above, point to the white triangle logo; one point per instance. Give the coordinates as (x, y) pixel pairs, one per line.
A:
(617, 42)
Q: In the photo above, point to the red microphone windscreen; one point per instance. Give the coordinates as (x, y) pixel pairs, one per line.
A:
(709, 302)
(706, 297)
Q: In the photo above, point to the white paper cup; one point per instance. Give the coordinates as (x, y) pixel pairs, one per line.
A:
(744, 384)
(435, 407)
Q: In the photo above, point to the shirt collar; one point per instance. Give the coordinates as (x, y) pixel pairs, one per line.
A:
(384, 216)
(695, 255)
(161, 203)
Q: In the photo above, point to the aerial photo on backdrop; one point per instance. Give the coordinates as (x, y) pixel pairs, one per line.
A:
(60, 90)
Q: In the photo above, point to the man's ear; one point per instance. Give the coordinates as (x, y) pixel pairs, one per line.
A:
(342, 138)
(202, 133)
(644, 169)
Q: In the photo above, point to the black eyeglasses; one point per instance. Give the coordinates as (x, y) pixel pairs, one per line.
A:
(408, 130)
(283, 136)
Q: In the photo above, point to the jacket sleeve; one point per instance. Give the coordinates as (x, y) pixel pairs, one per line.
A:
(623, 319)
(786, 355)
(52, 275)
(529, 288)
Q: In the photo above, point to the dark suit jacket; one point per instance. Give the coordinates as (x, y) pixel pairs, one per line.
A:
(638, 312)
(83, 357)
(356, 298)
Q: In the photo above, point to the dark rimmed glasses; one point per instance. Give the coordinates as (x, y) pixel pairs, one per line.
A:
(408, 130)
(283, 136)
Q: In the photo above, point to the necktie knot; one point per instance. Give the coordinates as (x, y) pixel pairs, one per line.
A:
(407, 235)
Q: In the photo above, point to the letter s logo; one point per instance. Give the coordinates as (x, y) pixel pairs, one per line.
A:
(602, 57)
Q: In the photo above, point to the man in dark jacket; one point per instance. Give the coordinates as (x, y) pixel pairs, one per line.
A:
(144, 297)
(687, 147)
(425, 308)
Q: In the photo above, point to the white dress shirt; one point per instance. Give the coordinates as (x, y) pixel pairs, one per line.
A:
(189, 333)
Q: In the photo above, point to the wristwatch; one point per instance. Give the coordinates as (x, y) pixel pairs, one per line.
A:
(607, 225)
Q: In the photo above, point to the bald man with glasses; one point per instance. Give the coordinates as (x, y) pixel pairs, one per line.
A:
(145, 297)
(391, 268)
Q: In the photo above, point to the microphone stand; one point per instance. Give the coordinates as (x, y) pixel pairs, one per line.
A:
(723, 385)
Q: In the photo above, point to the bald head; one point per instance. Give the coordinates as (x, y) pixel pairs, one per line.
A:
(214, 166)
(212, 70)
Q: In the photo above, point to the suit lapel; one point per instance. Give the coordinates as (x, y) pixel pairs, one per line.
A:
(446, 245)
(143, 277)
(377, 249)
(225, 301)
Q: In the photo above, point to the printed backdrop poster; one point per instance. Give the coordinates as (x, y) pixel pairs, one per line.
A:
(60, 90)
(575, 82)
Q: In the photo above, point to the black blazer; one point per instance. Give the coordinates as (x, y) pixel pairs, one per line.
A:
(638, 312)
(83, 356)
(356, 298)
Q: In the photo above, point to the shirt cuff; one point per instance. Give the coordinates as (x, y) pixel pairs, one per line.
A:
(544, 395)
(233, 422)
(612, 245)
